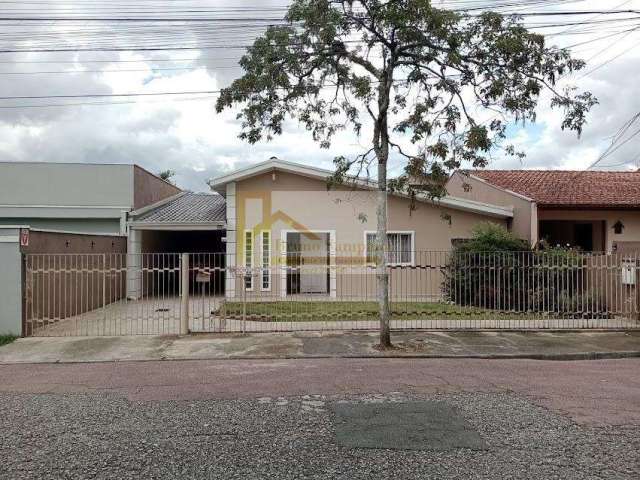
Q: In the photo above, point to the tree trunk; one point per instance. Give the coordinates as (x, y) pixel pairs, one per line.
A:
(381, 148)
(382, 274)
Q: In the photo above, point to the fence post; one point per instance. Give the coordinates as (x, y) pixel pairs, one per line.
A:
(244, 304)
(104, 287)
(637, 287)
(184, 300)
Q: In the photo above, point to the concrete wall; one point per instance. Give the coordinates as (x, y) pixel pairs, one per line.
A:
(630, 219)
(67, 243)
(10, 282)
(78, 197)
(524, 223)
(281, 202)
(149, 188)
(57, 184)
(69, 274)
(67, 197)
(88, 225)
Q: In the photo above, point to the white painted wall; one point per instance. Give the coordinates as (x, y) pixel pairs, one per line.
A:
(10, 282)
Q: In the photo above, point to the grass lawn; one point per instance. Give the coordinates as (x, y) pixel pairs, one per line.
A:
(5, 339)
(286, 311)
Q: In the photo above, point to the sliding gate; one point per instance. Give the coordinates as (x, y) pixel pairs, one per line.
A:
(102, 294)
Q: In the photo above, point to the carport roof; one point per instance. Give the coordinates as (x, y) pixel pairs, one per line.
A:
(184, 209)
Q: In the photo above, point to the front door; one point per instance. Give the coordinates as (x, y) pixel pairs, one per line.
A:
(583, 236)
(313, 263)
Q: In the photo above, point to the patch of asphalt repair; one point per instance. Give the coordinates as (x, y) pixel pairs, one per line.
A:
(404, 426)
(105, 436)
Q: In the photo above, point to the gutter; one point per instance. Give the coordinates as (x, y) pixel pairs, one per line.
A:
(142, 225)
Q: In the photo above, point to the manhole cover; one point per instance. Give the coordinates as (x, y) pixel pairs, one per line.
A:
(404, 426)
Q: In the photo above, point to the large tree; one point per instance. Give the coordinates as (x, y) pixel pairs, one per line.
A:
(413, 77)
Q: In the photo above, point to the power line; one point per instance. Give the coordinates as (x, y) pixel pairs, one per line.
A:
(108, 95)
(150, 69)
(589, 72)
(124, 102)
(615, 145)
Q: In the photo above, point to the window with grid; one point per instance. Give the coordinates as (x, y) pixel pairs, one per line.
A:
(399, 248)
(266, 260)
(248, 259)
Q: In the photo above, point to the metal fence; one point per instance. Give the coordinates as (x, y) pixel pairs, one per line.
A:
(164, 293)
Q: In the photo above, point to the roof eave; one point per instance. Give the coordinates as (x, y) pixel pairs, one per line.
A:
(153, 206)
(472, 206)
(497, 187)
(594, 206)
(219, 225)
(313, 172)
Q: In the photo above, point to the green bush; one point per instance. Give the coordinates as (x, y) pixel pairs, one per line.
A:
(495, 269)
(5, 339)
(489, 237)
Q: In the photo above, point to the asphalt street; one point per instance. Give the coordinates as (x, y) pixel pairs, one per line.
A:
(286, 419)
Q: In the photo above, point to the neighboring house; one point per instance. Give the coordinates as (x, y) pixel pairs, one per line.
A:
(594, 210)
(65, 208)
(279, 211)
(76, 197)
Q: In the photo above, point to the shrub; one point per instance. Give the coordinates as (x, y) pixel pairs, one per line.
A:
(496, 270)
(489, 237)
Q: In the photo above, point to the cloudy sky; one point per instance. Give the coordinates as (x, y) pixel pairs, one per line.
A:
(63, 61)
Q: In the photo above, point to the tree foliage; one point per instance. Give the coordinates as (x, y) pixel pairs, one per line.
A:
(420, 75)
(167, 176)
(414, 78)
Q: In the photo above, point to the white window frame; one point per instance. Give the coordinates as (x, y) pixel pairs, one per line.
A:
(393, 232)
(247, 261)
(265, 266)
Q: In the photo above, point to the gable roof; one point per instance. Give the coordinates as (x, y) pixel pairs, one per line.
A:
(275, 164)
(184, 208)
(569, 188)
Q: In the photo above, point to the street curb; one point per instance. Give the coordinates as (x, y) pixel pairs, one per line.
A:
(392, 355)
(521, 356)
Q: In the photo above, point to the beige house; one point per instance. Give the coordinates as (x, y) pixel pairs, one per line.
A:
(597, 211)
(281, 214)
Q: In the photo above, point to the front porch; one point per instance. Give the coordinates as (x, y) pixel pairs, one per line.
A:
(585, 235)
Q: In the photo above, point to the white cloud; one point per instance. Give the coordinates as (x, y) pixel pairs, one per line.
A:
(189, 137)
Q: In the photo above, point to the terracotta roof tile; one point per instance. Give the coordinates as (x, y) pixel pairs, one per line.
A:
(557, 188)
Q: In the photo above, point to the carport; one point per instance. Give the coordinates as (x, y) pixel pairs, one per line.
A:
(173, 245)
(192, 223)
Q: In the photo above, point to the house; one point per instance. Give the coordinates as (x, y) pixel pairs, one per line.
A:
(283, 212)
(77, 197)
(142, 256)
(597, 211)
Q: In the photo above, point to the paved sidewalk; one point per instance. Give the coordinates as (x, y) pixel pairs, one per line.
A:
(536, 345)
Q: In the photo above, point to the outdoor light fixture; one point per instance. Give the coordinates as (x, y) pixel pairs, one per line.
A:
(618, 227)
